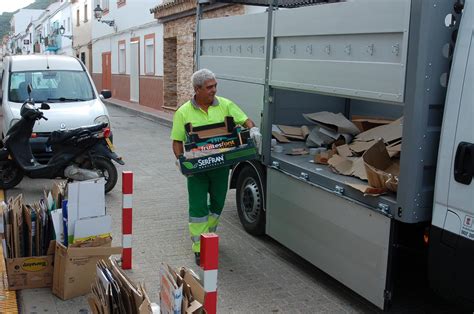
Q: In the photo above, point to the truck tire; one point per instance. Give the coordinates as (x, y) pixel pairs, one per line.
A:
(250, 201)
(10, 175)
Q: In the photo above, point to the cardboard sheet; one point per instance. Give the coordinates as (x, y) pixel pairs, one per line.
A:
(344, 150)
(367, 190)
(348, 166)
(294, 132)
(389, 133)
(366, 123)
(85, 199)
(359, 147)
(92, 227)
(336, 122)
(280, 137)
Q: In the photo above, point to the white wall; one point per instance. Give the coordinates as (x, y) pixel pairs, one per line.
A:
(132, 20)
(23, 17)
(133, 13)
(83, 32)
(111, 44)
(63, 17)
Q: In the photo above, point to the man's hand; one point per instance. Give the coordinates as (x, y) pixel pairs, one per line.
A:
(257, 138)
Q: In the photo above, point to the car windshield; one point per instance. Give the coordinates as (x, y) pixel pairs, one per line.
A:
(50, 86)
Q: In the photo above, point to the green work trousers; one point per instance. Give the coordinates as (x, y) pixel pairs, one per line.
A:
(206, 193)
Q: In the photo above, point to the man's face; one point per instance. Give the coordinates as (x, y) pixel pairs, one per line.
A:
(207, 91)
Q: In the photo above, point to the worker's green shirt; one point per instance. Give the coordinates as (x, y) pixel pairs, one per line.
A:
(190, 112)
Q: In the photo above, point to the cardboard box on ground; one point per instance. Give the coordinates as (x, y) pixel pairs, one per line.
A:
(214, 146)
(28, 247)
(33, 233)
(75, 266)
(181, 291)
(366, 147)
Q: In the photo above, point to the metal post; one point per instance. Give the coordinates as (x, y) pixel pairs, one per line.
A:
(210, 263)
(127, 194)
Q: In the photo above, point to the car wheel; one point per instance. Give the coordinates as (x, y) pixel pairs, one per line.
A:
(250, 201)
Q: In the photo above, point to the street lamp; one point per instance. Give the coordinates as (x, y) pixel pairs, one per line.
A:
(62, 30)
(98, 13)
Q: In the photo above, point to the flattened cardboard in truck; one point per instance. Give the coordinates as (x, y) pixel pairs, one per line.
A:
(294, 132)
(382, 171)
(359, 147)
(348, 166)
(75, 267)
(389, 133)
(333, 121)
(31, 272)
(280, 137)
(367, 123)
(367, 190)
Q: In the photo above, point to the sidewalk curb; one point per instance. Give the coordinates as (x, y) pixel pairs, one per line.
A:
(149, 116)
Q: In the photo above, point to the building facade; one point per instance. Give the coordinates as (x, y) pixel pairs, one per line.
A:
(179, 20)
(127, 52)
(19, 42)
(82, 31)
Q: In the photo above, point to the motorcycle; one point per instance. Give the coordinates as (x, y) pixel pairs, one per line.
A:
(78, 154)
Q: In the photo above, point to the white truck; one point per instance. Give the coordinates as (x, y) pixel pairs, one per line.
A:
(379, 58)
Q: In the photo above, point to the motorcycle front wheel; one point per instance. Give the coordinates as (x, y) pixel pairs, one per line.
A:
(10, 175)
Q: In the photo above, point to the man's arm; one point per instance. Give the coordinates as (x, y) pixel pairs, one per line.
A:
(178, 149)
(249, 124)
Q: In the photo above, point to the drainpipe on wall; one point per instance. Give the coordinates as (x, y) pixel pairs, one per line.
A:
(198, 32)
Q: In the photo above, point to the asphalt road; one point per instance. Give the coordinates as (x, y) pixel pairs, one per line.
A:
(256, 275)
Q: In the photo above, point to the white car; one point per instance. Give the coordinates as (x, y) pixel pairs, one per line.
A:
(61, 81)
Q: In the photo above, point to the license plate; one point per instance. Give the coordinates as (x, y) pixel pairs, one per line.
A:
(109, 144)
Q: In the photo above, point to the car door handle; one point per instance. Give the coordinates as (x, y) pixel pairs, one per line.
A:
(464, 163)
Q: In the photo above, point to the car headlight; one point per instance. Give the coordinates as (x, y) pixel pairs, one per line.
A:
(102, 119)
(13, 122)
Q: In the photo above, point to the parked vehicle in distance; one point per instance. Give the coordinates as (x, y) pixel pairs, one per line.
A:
(78, 154)
(61, 81)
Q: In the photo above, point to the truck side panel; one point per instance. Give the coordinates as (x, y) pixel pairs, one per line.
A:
(344, 239)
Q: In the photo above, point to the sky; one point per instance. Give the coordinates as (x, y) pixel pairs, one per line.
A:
(12, 5)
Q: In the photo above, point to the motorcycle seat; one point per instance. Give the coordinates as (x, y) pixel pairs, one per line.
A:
(61, 136)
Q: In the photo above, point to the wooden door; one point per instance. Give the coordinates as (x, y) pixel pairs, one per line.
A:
(106, 71)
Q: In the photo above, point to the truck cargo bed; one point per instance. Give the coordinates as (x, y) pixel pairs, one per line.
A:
(324, 177)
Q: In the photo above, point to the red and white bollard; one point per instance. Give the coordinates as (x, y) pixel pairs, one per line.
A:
(127, 194)
(210, 263)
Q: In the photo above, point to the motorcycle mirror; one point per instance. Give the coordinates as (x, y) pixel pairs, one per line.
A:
(45, 106)
(29, 89)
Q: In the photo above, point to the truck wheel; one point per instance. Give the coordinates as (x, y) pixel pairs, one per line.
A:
(10, 175)
(249, 198)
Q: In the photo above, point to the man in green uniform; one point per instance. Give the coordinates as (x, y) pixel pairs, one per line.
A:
(207, 190)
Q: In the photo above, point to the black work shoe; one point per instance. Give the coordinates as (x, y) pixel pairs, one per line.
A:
(197, 257)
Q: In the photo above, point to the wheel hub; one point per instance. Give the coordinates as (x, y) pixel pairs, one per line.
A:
(251, 200)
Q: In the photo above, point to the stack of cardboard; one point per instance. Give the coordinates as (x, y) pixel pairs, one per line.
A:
(114, 292)
(181, 291)
(330, 128)
(372, 156)
(287, 133)
(84, 231)
(27, 244)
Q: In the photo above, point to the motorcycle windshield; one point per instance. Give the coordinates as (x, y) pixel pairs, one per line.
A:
(50, 86)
